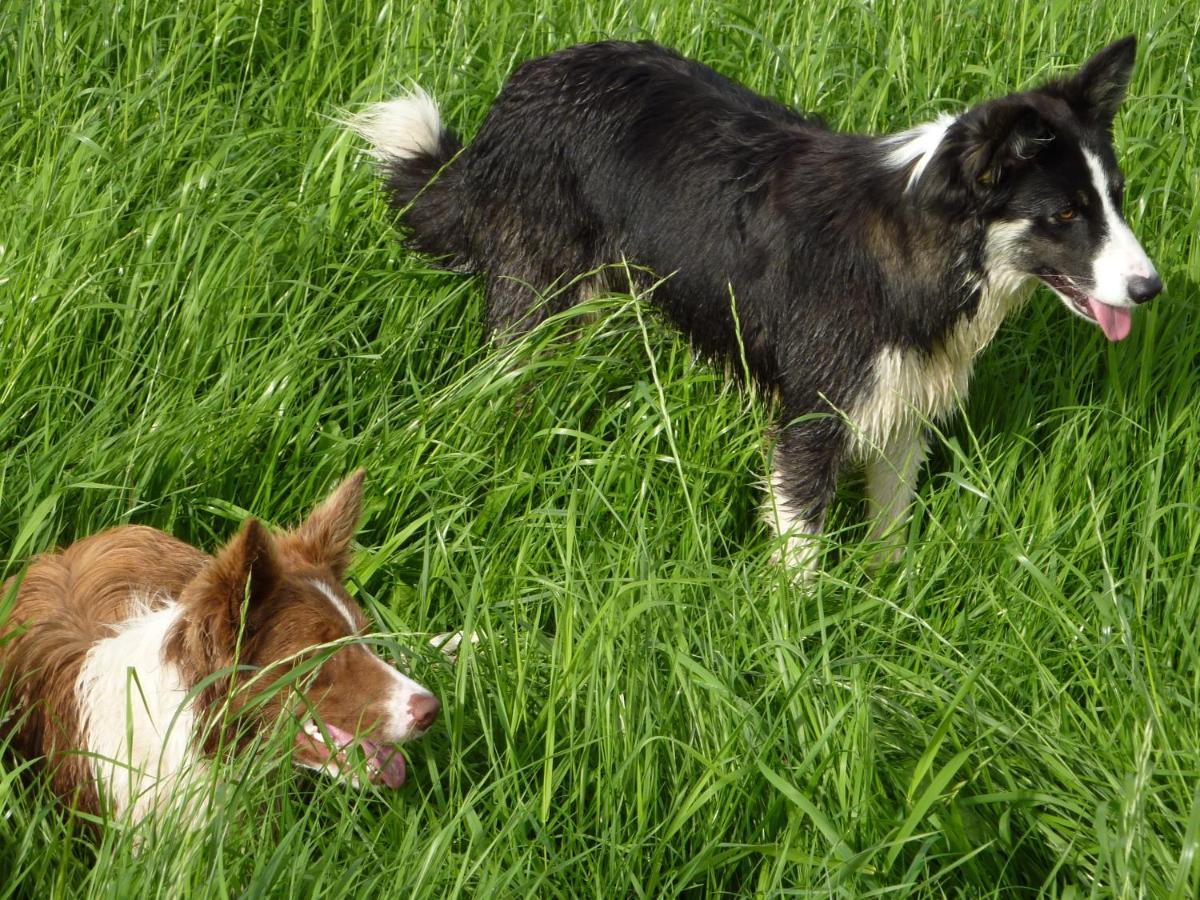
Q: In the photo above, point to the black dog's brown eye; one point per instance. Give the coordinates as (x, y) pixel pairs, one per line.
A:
(1065, 215)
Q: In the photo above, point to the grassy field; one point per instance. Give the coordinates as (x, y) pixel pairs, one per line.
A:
(203, 313)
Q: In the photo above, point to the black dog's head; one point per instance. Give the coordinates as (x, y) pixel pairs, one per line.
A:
(1039, 170)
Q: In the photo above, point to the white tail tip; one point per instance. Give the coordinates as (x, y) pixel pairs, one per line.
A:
(401, 128)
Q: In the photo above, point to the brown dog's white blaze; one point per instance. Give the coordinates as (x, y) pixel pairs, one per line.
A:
(136, 606)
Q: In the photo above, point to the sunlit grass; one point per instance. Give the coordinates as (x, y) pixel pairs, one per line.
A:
(203, 314)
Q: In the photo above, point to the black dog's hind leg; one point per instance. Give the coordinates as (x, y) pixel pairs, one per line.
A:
(514, 306)
(516, 303)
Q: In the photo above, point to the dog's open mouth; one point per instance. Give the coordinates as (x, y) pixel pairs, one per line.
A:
(1114, 321)
(382, 762)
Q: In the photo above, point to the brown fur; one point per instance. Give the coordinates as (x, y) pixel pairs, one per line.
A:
(252, 605)
(65, 603)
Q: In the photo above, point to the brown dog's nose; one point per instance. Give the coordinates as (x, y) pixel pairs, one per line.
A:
(423, 708)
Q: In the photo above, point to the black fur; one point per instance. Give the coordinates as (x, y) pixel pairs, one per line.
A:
(620, 151)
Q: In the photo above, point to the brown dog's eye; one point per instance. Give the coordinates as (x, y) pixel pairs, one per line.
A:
(1065, 215)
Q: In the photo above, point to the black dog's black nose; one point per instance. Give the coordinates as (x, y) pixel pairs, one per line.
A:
(1142, 289)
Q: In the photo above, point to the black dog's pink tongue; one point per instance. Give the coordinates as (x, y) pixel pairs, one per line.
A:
(1114, 321)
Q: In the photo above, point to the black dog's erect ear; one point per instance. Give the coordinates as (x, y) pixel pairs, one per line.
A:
(1100, 85)
(998, 138)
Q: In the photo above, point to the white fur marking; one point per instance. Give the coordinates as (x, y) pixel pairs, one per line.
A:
(914, 387)
(404, 689)
(132, 711)
(917, 145)
(333, 598)
(1121, 257)
(801, 543)
(401, 128)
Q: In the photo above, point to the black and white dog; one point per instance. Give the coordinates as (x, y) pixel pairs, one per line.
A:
(861, 275)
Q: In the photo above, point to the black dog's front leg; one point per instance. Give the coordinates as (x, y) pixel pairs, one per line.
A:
(808, 458)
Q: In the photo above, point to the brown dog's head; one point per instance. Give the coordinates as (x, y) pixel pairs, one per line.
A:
(270, 607)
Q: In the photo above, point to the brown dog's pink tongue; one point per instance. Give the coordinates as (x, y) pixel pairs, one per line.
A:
(385, 763)
(1115, 321)
(389, 762)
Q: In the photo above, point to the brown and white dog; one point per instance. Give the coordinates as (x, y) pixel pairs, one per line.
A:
(130, 657)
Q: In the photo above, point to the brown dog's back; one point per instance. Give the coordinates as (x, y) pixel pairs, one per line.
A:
(65, 602)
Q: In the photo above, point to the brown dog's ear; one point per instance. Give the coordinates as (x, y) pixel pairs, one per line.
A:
(324, 537)
(223, 596)
(247, 567)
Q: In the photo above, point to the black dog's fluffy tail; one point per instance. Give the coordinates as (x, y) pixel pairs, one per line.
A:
(407, 137)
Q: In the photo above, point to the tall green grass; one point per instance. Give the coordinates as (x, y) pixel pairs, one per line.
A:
(203, 314)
